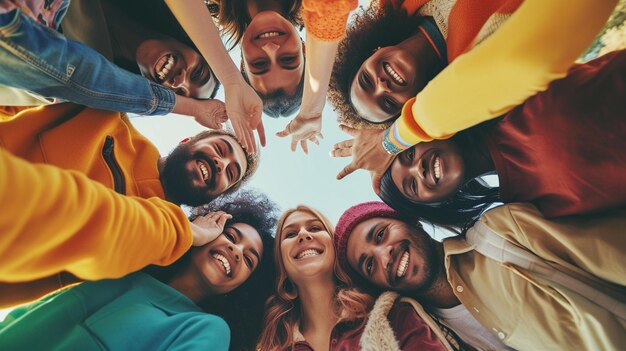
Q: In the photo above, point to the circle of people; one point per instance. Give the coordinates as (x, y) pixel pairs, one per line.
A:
(98, 254)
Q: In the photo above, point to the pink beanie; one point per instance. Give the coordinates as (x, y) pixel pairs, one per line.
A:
(350, 218)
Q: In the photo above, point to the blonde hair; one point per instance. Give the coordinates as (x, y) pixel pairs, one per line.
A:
(282, 311)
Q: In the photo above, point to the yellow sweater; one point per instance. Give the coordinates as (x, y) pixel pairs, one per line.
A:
(56, 220)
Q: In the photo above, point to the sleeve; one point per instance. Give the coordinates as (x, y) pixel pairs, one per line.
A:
(40, 60)
(55, 220)
(412, 333)
(326, 20)
(595, 243)
(536, 45)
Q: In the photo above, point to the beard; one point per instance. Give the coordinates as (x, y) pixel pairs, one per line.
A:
(425, 246)
(177, 181)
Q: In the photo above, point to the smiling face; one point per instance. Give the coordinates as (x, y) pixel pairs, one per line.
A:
(226, 262)
(429, 172)
(200, 170)
(272, 54)
(176, 66)
(306, 247)
(392, 255)
(385, 81)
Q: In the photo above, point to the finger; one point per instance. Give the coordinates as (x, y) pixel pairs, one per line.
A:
(221, 221)
(346, 144)
(346, 171)
(341, 153)
(283, 133)
(347, 129)
(251, 145)
(304, 147)
(314, 140)
(239, 134)
(260, 129)
(294, 144)
(320, 135)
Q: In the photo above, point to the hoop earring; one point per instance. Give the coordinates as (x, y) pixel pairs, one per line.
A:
(290, 292)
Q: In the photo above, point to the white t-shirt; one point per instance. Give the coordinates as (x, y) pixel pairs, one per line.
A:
(461, 321)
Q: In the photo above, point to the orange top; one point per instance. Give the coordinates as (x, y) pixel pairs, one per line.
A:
(326, 20)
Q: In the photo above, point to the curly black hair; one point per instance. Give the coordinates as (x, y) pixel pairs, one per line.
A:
(370, 29)
(242, 308)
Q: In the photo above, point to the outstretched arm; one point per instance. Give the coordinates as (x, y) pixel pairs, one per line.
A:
(56, 220)
(243, 105)
(325, 22)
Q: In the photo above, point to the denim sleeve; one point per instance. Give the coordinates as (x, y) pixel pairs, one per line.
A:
(38, 59)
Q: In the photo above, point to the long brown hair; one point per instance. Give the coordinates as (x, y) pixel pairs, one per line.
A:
(283, 312)
(233, 18)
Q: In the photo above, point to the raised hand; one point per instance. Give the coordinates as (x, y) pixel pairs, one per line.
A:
(208, 227)
(244, 109)
(302, 130)
(367, 153)
(210, 113)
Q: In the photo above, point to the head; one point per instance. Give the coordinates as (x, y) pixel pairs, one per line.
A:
(433, 181)
(204, 167)
(177, 66)
(233, 16)
(385, 249)
(374, 74)
(304, 253)
(242, 306)
(273, 58)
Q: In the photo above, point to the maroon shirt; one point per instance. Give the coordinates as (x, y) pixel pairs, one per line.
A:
(412, 333)
(564, 150)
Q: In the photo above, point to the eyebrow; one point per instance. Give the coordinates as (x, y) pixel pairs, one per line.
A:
(232, 151)
(252, 249)
(368, 239)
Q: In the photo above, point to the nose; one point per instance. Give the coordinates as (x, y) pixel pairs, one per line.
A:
(418, 169)
(270, 48)
(382, 85)
(383, 255)
(180, 83)
(304, 235)
(220, 164)
(236, 250)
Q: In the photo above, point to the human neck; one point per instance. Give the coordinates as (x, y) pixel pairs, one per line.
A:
(256, 6)
(126, 33)
(440, 294)
(317, 301)
(188, 284)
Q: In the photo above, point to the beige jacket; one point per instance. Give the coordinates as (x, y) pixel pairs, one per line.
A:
(529, 312)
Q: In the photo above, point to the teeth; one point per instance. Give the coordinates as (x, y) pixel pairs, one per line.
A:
(396, 77)
(269, 35)
(205, 172)
(223, 261)
(404, 264)
(437, 168)
(308, 253)
(166, 67)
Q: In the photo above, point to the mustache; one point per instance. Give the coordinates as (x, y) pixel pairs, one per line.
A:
(400, 249)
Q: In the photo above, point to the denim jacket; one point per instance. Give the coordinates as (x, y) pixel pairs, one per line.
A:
(40, 60)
